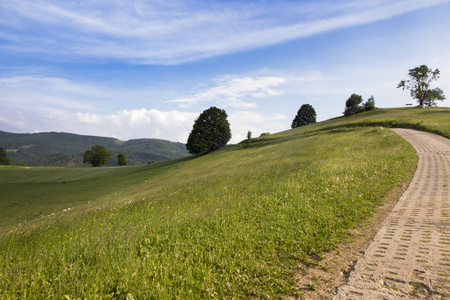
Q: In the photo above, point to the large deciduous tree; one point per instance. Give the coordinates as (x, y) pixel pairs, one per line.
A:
(419, 85)
(210, 132)
(305, 115)
(97, 156)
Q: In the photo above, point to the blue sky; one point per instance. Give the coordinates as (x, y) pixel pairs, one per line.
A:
(146, 69)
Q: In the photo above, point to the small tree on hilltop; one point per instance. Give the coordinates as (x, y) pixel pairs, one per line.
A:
(305, 115)
(210, 132)
(4, 160)
(370, 104)
(97, 156)
(249, 139)
(352, 105)
(122, 160)
(419, 85)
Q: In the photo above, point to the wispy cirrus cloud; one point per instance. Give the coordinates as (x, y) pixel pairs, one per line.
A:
(172, 32)
(235, 91)
(46, 93)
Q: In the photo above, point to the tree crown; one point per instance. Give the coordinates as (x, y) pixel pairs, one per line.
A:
(122, 160)
(419, 85)
(97, 156)
(210, 132)
(305, 115)
(353, 105)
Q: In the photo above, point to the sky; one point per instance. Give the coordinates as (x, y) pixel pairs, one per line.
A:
(146, 69)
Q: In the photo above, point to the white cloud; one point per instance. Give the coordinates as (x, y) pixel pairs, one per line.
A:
(38, 104)
(88, 118)
(171, 32)
(127, 124)
(232, 91)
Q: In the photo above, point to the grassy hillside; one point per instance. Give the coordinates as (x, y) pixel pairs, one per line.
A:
(231, 224)
(66, 149)
(435, 120)
(30, 193)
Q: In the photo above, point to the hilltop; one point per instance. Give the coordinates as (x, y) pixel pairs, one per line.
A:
(66, 149)
(236, 223)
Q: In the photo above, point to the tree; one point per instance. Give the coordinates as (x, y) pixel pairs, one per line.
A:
(352, 105)
(97, 156)
(249, 139)
(4, 160)
(210, 132)
(305, 115)
(122, 160)
(370, 104)
(419, 85)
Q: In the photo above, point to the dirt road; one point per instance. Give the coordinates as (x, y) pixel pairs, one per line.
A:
(410, 255)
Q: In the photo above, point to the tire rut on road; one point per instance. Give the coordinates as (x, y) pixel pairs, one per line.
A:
(410, 255)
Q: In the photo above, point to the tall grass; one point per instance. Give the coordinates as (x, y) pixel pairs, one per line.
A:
(231, 224)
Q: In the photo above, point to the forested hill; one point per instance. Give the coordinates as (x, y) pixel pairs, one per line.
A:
(66, 149)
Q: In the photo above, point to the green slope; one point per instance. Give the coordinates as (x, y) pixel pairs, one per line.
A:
(30, 193)
(231, 224)
(435, 120)
(66, 149)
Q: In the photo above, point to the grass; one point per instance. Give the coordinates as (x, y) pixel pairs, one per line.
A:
(30, 193)
(435, 120)
(231, 224)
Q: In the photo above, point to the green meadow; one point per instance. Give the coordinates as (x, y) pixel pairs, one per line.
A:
(231, 224)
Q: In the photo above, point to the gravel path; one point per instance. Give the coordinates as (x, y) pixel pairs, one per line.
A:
(410, 255)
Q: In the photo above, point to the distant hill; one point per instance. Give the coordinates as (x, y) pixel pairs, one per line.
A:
(66, 149)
